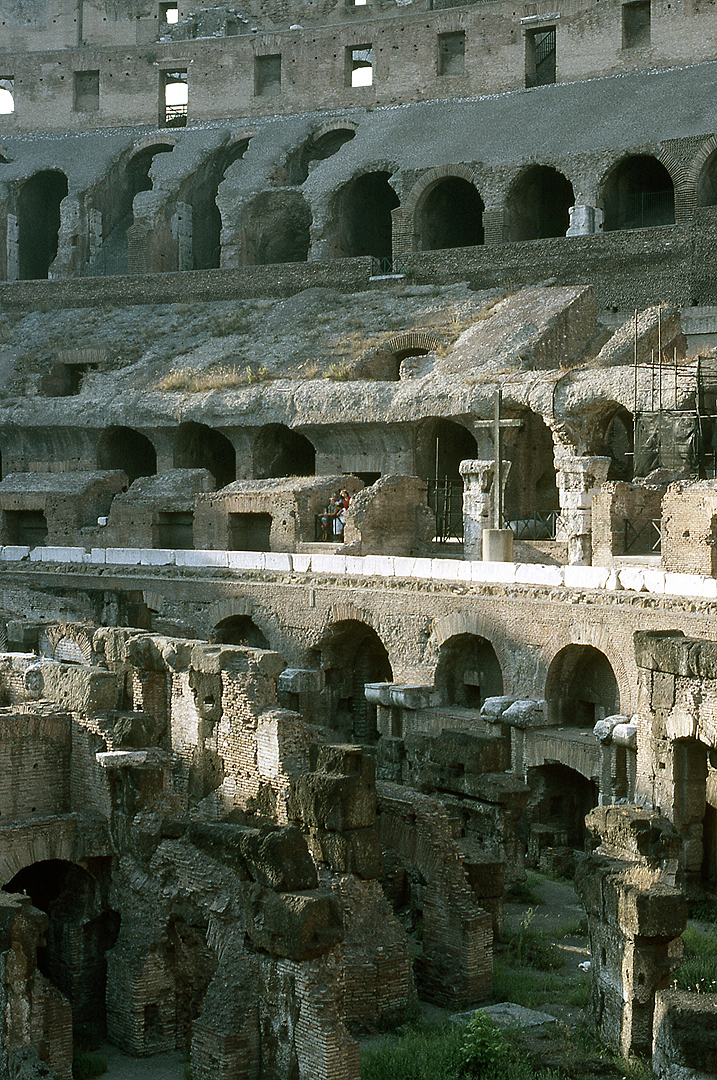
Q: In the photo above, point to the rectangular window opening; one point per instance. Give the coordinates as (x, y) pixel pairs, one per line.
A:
(7, 94)
(174, 98)
(267, 75)
(174, 531)
(636, 25)
(87, 91)
(27, 528)
(540, 56)
(249, 532)
(359, 65)
(168, 14)
(451, 53)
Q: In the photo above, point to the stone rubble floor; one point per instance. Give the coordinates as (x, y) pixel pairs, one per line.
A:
(169, 1066)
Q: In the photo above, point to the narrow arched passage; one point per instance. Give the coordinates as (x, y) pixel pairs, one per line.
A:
(450, 215)
(351, 654)
(80, 931)
(197, 446)
(637, 193)
(707, 182)
(279, 451)
(441, 445)
(538, 204)
(559, 800)
(39, 222)
(531, 487)
(129, 450)
(468, 671)
(581, 687)
(363, 212)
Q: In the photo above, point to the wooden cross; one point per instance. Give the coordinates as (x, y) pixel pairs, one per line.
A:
(497, 425)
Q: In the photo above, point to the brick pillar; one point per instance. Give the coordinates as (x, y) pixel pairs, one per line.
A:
(137, 243)
(577, 477)
(494, 225)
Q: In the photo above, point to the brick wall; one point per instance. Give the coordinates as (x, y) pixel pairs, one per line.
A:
(34, 765)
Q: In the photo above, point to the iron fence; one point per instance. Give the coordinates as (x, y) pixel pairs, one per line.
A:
(538, 525)
(643, 538)
(445, 498)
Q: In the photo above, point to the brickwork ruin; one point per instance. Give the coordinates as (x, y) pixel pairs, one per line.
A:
(265, 779)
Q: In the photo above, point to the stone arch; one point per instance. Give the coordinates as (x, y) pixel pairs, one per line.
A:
(538, 203)
(200, 191)
(637, 191)
(612, 435)
(702, 174)
(447, 440)
(38, 214)
(581, 686)
(280, 451)
(69, 643)
(351, 654)
(531, 485)
(239, 630)
(197, 446)
(468, 671)
(127, 449)
(412, 343)
(446, 210)
(226, 609)
(276, 228)
(320, 145)
(81, 928)
(361, 220)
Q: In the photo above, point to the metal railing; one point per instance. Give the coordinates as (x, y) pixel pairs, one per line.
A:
(538, 525)
(645, 208)
(175, 116)
(646, 537)
(390, 266)
(445, 498)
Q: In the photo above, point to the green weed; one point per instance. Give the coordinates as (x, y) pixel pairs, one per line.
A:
(86, 1065)
(525, 892)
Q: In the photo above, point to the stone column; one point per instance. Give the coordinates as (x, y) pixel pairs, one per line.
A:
(577, 477)
(585, 220)
(478, 502)
(13, 272)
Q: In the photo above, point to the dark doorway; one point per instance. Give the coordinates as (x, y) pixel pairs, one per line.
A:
(538, 204)
(468, 672)
(441, 445)
(364, 216)
(129, 450)
(26, 528)
(240, 630)
(559, 800)
(197, 446)
(279, 451)
(451, 216)
(581, 687)
(174, 530)
(351, 655)
(81, 930)
(249, 532)
(638, 193)
(39, 222)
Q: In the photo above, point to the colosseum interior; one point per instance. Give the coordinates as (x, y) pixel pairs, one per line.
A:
(272, 767)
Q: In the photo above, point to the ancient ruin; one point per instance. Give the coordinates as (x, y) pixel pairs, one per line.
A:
(358, 517)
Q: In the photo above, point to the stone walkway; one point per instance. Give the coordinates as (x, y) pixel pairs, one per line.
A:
(159, 1067)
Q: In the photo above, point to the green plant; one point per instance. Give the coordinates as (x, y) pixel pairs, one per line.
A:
(530, 948)
(703, 911)
(432, 1054)
(86, 1065)
(484, 1048)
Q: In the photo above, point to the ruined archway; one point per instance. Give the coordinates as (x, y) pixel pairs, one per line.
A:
(538, 204)
(316, 148)
(531, 491)
(279, 451)
(197, 446)
(638, 192)
(581, 687)
(240, 630)
(560, 797)
(363, 212)
(38, 214)
(352, 654)
(81, 929)
(450, 215)
(276, 228)
(127, 449)
(440, 447)
(707, 182)
(468, 671)
(613, 437)
(200, 191)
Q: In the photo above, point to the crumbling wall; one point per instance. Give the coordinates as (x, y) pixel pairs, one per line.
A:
(392, 517)
(621, 520)
(635, 919)
(689, 528)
